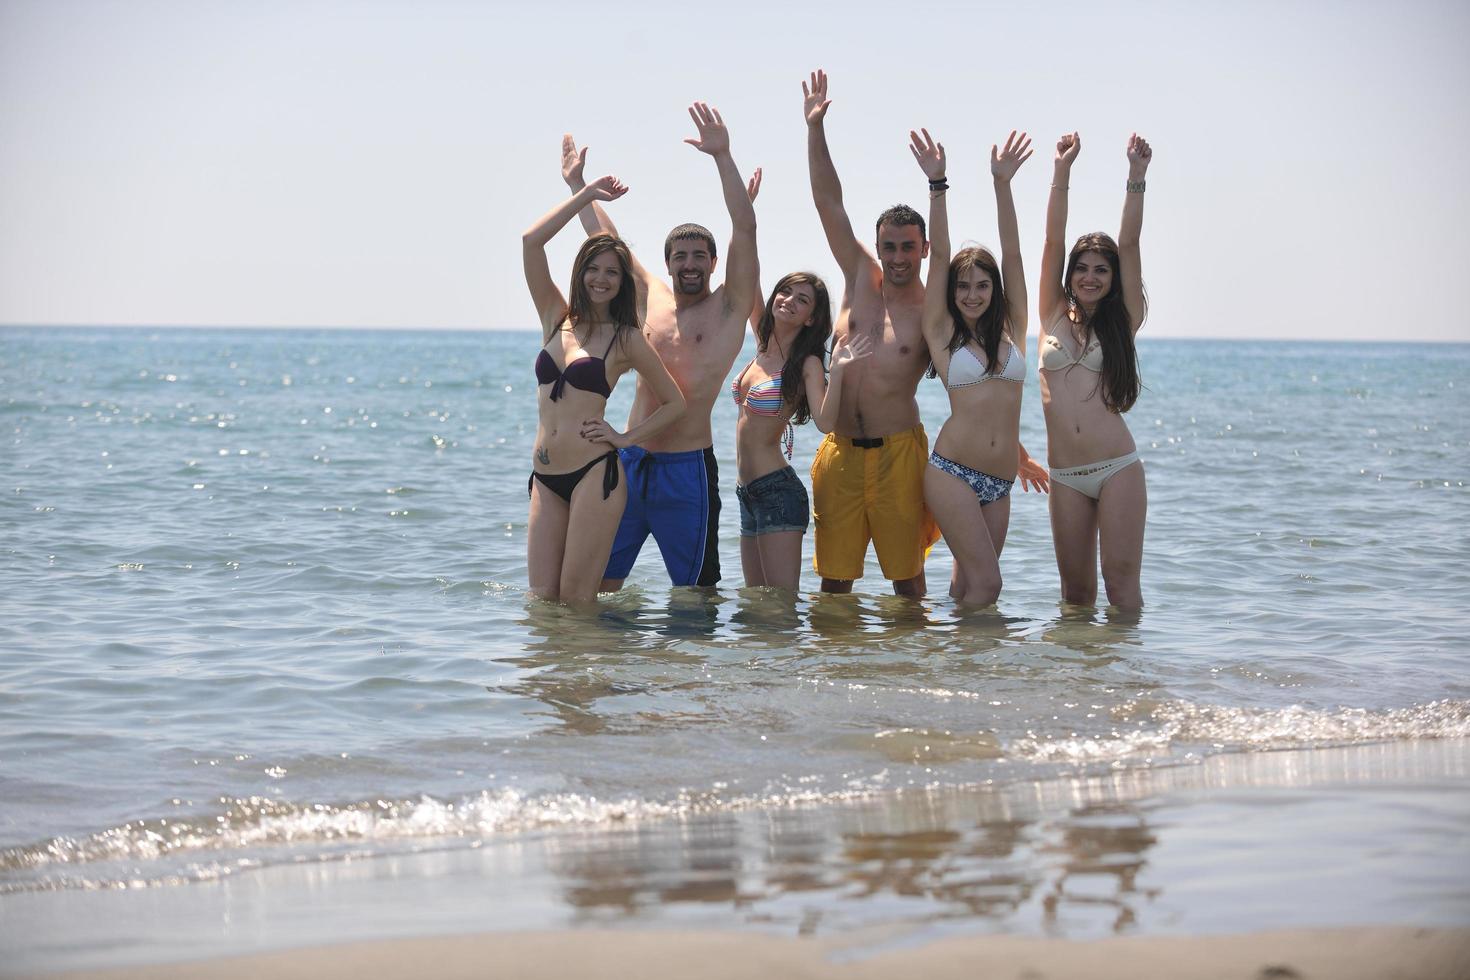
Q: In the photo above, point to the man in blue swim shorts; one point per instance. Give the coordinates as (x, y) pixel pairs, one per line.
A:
(673, 483)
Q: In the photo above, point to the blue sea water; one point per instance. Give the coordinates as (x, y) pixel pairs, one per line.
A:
(262, 601)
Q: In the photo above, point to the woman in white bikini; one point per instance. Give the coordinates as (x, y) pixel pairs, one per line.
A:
(975, 327)
(576, 494)
(1092, 307)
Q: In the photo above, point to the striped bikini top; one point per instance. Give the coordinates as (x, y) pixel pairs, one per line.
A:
(763, 398)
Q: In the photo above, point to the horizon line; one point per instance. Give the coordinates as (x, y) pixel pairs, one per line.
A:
(378, 328)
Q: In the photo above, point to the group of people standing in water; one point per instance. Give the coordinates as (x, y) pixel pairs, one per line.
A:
(598, 493)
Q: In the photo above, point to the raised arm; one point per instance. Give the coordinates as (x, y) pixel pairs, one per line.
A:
(826, 188)
(550, 304)
(824, 394)
(650, 367)
(1003, 166)
(595, 220)
(931, 159)
(1054, 251)
(1130, 264)
(573, 162)
(758, 306)
(741, 263)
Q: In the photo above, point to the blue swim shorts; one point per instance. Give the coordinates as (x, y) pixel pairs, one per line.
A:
(676, 498)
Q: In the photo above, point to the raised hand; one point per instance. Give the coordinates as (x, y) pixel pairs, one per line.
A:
(572, 162)
(929, 154)
(753, 188)
(1005, 163)
(607, 188)
(814, 98)
(1067, 148)
(714, 138)
(1139, 154)
(850, 348)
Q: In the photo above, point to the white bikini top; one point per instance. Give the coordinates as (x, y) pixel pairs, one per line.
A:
(968, 370)
(1055, 357)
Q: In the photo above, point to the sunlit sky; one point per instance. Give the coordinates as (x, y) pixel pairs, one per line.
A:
(374, 163)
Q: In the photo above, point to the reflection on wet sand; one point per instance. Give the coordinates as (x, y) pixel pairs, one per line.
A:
(1102, 847)
(916, 858)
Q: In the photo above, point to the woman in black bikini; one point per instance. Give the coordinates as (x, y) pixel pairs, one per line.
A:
(577, 493)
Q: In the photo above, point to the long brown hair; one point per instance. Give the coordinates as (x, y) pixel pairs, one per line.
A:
(992, 322)
(811, 341)
(623, 307)
(1110, 323)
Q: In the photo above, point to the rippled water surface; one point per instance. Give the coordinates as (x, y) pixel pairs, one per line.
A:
(264, 600)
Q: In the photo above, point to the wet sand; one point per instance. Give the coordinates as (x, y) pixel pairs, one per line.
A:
(1369, 954)
(1310, 864)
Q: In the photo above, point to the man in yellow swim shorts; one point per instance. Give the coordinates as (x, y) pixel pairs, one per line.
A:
(868, 475)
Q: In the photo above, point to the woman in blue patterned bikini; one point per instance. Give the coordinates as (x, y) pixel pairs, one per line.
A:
(573, 518)
(1091, 310)
(786, 383)
(975, 326)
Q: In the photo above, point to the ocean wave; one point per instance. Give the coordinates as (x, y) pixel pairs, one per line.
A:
(1172, 726)
(249, 830)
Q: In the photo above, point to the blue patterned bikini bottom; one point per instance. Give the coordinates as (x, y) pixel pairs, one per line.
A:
(988, 488)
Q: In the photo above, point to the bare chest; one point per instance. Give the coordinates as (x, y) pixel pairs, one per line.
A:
(695, 352)
(896, 338)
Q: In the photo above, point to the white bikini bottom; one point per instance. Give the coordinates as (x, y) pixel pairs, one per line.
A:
(1089, 479)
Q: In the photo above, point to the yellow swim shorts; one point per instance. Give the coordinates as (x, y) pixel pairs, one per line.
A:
(863, 492)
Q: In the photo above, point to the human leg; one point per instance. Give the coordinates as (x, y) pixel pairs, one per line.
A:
(911, 588)
(683, 513)
(780, 557)
(1122, 512)
(750, 562)
(779, 513)
(546, 538)
(903, 530)
(976, 578)
(750, 555)
(633, 526)
(592, 524)
(998, 521)
(1074, 538)
(839, 513)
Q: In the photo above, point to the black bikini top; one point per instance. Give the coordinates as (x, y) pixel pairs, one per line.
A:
(584, 373)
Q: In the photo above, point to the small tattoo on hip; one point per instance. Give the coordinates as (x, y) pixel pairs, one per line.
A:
(542, 456)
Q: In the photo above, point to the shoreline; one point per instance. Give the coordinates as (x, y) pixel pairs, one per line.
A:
(1157, 869)
(1342, 954)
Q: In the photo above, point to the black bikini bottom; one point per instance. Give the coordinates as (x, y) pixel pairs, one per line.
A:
(562, 484)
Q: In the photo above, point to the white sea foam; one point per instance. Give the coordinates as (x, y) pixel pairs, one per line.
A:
(1180, 726)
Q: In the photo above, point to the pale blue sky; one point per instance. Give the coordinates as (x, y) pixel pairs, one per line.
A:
(373, 163)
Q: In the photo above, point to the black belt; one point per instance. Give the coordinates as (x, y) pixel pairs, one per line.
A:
(867, 443)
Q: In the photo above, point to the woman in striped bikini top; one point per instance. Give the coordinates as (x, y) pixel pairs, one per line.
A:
(786, 383)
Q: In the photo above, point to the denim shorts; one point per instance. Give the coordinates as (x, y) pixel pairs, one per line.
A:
(774, 502)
